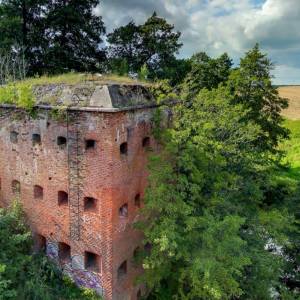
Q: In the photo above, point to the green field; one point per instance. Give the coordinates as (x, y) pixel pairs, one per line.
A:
(292, 149)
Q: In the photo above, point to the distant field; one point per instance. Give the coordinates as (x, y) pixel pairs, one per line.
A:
(293, 94)
(292, 146)
(292, 149)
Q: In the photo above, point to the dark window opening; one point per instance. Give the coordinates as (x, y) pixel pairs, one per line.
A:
(90, 144)
(38, 192)
(14, 137)
(123, 211)
(61, 141)
(137, 200)
(124, 148)
(146, 142)
(36, 139)
(63, 198)
(122, 270)
(40, 243)
(64, 252)
(16, 187)
(92, 261)
(90, 204)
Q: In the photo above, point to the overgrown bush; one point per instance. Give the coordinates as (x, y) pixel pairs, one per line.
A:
(19, 94)
(28, 276)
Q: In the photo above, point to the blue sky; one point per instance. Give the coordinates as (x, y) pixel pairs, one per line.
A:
(218, 26)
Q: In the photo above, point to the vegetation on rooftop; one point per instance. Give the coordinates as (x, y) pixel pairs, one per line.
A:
(20, 92)
(73, 78)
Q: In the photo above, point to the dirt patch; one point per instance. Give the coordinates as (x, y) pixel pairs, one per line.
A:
(293, 94)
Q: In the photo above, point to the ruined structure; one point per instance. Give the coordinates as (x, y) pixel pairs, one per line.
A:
(80, 172)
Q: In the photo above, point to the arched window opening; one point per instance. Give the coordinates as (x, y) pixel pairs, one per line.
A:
(64, 252)
(92, 262)
(90, 144)
(124, 148)
(122, 270)
(137, 200)
(90, 204)
(146, 142)
(63, 198)
(36, 139)
(61, 141)
(123, 211)
(38, 192)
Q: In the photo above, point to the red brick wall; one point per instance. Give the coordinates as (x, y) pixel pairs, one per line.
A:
(103, 173)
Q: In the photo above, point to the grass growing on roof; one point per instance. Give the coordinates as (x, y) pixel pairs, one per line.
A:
(76, 78)
(20, 93)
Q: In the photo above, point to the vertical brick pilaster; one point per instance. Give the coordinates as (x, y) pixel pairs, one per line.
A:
(75, 167)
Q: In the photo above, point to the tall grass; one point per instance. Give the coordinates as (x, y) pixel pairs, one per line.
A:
(75, 78)
(292, 149)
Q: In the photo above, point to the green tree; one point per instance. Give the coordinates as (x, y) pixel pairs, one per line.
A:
(119, 66)
(18, 21)
(74, 34)
(205, 213)
(124, 44)
(153, 43)
(251, 85)
(143, 73)
(22, 27)
(175, 71)
(55, 36)
(206, 72)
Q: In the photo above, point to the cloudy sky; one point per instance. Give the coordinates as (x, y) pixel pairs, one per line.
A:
(216, 26)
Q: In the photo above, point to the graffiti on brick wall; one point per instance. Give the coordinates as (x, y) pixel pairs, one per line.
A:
(75, 269)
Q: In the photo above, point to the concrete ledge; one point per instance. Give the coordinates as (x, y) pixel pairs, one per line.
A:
(89, 108)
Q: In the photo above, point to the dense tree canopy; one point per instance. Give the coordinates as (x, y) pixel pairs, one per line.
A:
(251, 85)
(214, 229)
(55, 36)
(153, 43)
(206, 72)
(74, 36)
(21, 25)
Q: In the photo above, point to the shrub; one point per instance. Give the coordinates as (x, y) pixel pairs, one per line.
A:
(27, 276)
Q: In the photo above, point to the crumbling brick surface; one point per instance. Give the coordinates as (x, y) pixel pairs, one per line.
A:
(101, 172)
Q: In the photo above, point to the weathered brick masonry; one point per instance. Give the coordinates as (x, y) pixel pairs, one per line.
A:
(81, 179)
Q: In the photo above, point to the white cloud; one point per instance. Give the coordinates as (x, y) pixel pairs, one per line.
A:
(218, 26)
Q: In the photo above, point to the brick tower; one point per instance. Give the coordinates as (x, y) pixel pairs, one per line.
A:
(79, 170)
